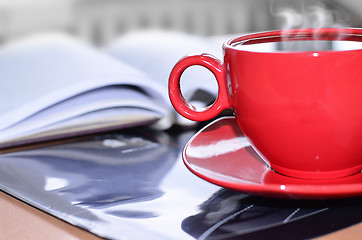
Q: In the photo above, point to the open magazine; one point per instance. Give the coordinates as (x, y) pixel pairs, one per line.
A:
(55, 86)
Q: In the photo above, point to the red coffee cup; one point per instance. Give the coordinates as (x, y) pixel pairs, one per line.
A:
(301, 109)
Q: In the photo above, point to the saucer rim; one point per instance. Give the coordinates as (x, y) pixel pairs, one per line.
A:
(300, 191)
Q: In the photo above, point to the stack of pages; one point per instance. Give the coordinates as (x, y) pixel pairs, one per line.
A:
(55, 86)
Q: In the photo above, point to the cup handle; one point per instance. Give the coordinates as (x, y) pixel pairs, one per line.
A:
(178, 101)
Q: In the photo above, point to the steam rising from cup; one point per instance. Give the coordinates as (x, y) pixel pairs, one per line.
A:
(305, 14)
(295, 14)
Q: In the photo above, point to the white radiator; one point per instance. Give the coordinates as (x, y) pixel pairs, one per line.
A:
(102, 22)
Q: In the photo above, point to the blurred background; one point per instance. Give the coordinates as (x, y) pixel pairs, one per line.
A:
(100, 21)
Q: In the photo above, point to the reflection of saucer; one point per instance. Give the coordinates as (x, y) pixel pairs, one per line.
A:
(220, 154)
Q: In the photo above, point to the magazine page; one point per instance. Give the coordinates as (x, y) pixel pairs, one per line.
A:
(39, 72)
(77, 111)
(103, 120)
(157, 51)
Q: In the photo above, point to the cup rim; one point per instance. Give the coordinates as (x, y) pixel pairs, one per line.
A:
(351, 34)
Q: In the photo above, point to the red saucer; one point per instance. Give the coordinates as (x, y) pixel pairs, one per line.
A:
(220, 154)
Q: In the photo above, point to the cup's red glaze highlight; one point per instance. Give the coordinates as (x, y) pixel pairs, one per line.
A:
(301, 111)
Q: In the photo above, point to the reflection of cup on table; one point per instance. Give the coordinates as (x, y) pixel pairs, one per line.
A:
(296, 95)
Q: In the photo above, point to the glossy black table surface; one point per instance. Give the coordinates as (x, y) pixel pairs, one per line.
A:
(133, 184)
